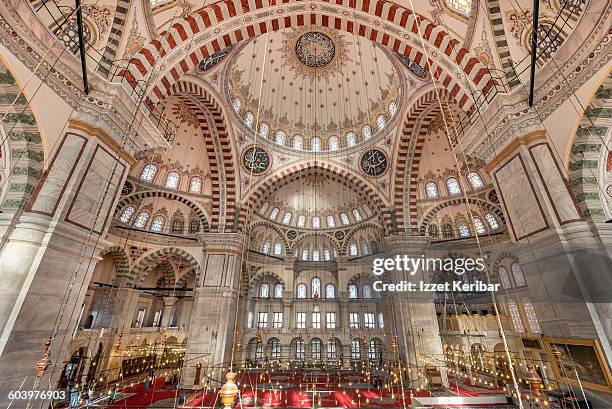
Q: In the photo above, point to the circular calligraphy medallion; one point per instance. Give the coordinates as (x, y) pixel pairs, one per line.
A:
(315, 49)
(373, 162)
(256, 160)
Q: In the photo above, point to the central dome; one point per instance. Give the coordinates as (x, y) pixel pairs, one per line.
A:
(314, 89)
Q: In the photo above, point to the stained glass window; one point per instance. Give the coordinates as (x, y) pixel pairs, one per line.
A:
(127, 214)
(279, 138)
(475, 180)
(172, 180)
(464, 230)
(301, 220)
(278, 290)
(315, 144)
(460, 6)
(274, 213)
(357, 215)
(148, 172)
(534, 326)
(353, 291)
(431, 190)
(177, 226)
(195, 184)
(278, 249)
(305, 254)
(315, 289)
(381, 121)
(194, 226)
(141, 220)
(367, 291)
(479, 225)
(353, 249)
(331, 221)
(333, 143)
(433, 230)
(453, 186)
(366, 132)
(316, 222)
(287, 218)
(236, 103)
(392, 108)
(264, 290)
(301, 291)
(298, 142)
(504, 278)
(447, 231)
(516, 318)
(157, 225)
(264, 129)
(327, 255)
(264, 207)
(344, 218)
(249, 119)
(365, 249)
(351, 139)
(517, 273)
(367, 210)
(330, 291)
(316, 255)
(492, 221)
(266, 247)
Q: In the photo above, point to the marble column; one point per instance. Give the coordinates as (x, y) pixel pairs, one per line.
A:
(49, 250)
(211, 330)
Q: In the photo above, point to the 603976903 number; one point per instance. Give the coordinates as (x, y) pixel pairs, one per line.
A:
(37, 394)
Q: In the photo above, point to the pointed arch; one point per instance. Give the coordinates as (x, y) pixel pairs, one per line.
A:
(140, 269)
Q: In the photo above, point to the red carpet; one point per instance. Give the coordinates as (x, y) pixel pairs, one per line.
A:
(143, 398)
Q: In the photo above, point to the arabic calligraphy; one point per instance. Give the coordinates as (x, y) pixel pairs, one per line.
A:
(256, 160)
(374, 162)
(210, 62)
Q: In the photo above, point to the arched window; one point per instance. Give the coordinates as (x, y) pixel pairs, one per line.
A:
(353, 249)
(298, 142)
(194, 226)
(275, 348)
(331, 221)
(195, 184)
(280, 136)
(433, 230)
(531, 317)
(301, 220)
(305, 254)
(327, 255)
(373, 349)
(236, 103)
(366, 132)
(517, 273)
(367, 291)
(351, 139)
(357, 215)
(460, 6)
(172, 180)
(365, 249)
(287, 218)
(264, 129)
(453, 186)
(274, 213)
(431, 189)
(264, 207)
(392, 108)
(367, 210)
(266, 247)
(148, 172)
(315, 144)
(259, 351)
(157, 225)
(516, 318)
(463, 230)
(126, 214)
(301, 291)
(332, 349)
(315, 287)
(177, 226)
(492, 220)
(333, 143)
(249, 119)
(344, 218)
(141, 220)
(447, 231)
(316, 222)
(278, 290)
(315, 349)
(264, 290)
(475, 180)
(278, 249)
(330, 291)
(353, 291)
(504, 278)
(381, 121)
(299, 350)
(316, 255)
(479, 225)
(355, 349)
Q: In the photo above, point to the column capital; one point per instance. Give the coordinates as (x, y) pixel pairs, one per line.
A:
(224, 243)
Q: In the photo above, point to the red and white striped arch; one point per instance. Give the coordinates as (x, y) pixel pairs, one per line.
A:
(227, 22)
(221, 157)
(357, 183)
